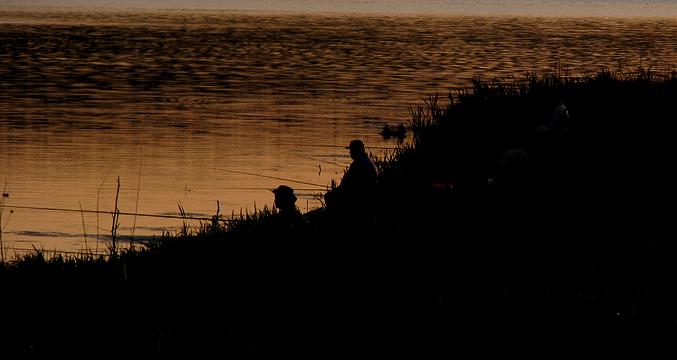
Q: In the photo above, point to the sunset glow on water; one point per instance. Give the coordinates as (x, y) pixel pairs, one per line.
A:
(195, 108)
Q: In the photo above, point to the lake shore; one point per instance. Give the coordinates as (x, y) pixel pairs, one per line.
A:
(470, 248)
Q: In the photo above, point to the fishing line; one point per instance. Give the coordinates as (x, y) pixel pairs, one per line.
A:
(322, 161)
(110, 212)
(274, 177)
(265, 188)
(127, 213)
(344, 147)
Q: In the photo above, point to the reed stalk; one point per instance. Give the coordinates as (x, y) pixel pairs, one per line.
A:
(184, 228)
(4, 196)
(98, 196)
(84, 229)
(2, 208)
(116, 224)
(138, 190)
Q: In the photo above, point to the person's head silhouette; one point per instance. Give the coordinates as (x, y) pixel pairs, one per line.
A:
(284, 197)
(356, 148)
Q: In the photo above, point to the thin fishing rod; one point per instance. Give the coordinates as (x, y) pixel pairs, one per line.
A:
(343, 147)
(276, 178)
(140, 214)
(121, 213)
(266, 188)
(322, 161)
(110, 212)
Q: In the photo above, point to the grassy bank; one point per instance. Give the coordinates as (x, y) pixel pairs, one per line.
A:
(569, 252)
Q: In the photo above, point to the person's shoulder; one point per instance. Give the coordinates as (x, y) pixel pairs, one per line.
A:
(365, 160)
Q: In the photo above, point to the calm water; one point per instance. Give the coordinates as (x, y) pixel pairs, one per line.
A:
(191, 108)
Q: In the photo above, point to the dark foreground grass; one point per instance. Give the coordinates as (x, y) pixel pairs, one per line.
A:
(570, 255)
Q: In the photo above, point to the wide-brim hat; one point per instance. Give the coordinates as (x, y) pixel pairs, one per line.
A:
(284, 193)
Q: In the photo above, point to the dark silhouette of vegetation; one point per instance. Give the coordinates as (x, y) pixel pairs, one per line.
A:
(560, 250)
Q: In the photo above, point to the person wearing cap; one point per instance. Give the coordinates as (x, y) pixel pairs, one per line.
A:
(362, 173)
(359, 182)
(285, 202)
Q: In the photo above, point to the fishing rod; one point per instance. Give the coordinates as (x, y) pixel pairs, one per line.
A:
(265, 188)
(109, 212)
(170, 216)
(187, 217)
(322, 161)
(343, 147)
(275, 177)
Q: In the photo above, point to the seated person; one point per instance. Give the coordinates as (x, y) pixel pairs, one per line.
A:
(285, 202)
(358, 184)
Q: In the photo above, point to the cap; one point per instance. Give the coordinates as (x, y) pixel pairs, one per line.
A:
(285, 193)
(356, 144)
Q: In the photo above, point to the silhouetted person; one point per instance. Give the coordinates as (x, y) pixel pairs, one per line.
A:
(288, 215)
(514, 171)
(558, 120)
(355, 193)
(550, 140)
(362, 173)
(553, 165)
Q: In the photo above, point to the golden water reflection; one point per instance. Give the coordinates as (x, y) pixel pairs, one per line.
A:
(182, 105)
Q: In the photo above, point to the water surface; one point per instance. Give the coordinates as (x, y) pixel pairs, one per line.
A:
(194, 108)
